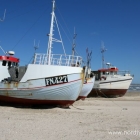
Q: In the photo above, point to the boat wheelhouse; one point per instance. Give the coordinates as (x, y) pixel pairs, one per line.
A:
(7, 61)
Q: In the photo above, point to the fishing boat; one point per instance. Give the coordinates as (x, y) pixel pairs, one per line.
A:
(51, 79)
(87, 86)
(89, 79)
(110, 82)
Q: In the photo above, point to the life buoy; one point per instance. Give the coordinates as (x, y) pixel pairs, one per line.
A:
(103, 77)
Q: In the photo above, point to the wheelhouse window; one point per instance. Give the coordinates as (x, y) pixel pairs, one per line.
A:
(107, 73)
(103, 72)
(9, 63)
(4, 63)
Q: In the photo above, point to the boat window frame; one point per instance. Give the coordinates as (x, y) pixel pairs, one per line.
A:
(4, 63)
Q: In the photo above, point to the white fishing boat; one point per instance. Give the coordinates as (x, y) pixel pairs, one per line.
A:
(89, 79)
(52, 79)
(87, 87)
(110, 82)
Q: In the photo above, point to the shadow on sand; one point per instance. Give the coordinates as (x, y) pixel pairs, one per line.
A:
(33, 106)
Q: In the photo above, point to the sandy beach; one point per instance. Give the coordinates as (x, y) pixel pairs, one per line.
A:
(93, 118)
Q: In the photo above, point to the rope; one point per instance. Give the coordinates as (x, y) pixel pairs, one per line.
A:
(109, 99)
(77, 107)
(30, 28)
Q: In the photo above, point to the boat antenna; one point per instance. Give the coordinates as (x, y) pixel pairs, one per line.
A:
(102, 51)
(51, 39)
(3, 16)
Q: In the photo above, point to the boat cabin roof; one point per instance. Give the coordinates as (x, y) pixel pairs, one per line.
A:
(9, 58)
(112, 69)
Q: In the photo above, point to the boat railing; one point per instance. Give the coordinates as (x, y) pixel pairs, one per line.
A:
(124, 73)
(58, 59)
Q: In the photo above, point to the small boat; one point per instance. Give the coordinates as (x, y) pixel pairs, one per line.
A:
(52, 79)
(110, 82)
(89, 80)
(87, 87)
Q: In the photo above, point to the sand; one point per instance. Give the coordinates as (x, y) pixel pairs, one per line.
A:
(91, 119)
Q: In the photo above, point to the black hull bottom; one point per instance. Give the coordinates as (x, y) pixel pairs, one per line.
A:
(107, 93)
(33, 102)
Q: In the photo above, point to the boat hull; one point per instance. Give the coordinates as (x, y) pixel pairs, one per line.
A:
(58, 89)
(86, 89)
(109, 89)
(31, 102)
(107, 93)
(53, 95)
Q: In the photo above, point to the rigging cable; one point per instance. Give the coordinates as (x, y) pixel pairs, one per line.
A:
(29, 29)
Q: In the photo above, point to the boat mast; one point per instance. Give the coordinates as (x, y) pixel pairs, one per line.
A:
(102, 51)
(49, 51)
(35, 47)
(88, 61)
(73, 46)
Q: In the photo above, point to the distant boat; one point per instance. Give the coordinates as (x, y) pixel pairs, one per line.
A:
(110, 82)
(52, 79)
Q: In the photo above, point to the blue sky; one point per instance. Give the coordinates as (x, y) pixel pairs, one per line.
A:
(114, 22)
